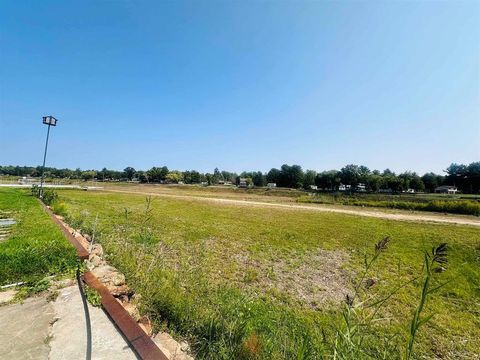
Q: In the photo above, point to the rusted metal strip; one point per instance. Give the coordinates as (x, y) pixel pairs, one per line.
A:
(141, 342)
(81, 251)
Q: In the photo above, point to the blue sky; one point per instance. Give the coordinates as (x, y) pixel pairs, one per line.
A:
(241, 85)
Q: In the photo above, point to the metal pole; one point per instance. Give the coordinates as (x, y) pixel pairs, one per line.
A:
(43, 166)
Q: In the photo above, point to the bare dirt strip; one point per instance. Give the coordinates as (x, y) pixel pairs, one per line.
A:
(415, 217)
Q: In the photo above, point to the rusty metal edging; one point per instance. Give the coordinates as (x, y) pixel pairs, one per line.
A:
(81, 251)
(141, 342)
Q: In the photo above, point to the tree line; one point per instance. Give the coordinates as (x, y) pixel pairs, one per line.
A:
(465, 177)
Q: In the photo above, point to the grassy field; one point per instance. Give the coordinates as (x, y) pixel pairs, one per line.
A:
(443, 203)
(268, 283)
(36, 247)
(465, 204)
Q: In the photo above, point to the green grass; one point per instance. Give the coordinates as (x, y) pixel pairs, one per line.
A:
(454, 204)
(36, 247)
(220, 275)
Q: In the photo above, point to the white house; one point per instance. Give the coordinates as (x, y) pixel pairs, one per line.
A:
(446, 189)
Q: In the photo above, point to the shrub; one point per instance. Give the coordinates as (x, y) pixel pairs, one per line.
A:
(59, 208)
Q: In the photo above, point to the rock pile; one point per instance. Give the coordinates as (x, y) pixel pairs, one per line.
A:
(115, 283)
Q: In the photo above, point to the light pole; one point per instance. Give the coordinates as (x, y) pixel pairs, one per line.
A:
(50, 121)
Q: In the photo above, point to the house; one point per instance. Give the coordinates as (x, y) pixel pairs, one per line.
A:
(272, 185)
(344, 187)
(446, 189)
(361, 187)
(243, 183)
(313, 187)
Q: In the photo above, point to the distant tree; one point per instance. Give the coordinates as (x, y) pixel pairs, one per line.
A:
(394, 183)
(129, 172)
(387, 172)
(174, 177)
(350, 175)
(258, 179)
(430, 180)
(328, 180)
(363, 174)
(142, 176)
(291, 176)
(78, 173)
(416, 183)
(273, 176)
(473, 178)
(156, 174)
(309, 178)
(229, 176)
(89, 175)
(374, 182)
(217, 176)
(196, 177)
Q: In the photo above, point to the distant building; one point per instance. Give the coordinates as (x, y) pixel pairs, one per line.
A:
(361, 187)
(27, 181)
(410, 191)
(313, 187)
(272, 185)
(243, 183)
(446, 189)
(343, 187)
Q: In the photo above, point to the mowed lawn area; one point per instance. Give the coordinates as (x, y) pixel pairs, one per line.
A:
(35, 248)
(267, 283)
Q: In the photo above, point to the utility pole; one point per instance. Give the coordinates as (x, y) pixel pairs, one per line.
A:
(50, 121)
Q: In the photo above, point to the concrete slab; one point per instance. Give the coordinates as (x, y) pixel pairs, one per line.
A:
(37, 329)
(6, 296)
(24, 332)
(69, 331)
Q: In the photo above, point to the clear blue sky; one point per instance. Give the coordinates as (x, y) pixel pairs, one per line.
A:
(241, 85)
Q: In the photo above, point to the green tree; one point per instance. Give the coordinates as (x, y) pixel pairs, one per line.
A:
(174, 177)
(273, 176)
(129, 172)
(309, 178)
(350, 175)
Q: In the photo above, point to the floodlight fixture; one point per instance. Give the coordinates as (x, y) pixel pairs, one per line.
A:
(50, 121)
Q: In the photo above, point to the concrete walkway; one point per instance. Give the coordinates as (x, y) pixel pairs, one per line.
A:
(37, 329)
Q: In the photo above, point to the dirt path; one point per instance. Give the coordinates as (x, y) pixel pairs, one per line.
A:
(429, 217)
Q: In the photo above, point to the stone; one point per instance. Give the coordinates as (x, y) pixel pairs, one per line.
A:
(184, 346)
(89, 265)
(118, 279)
(118, 290)
(132, 310)
(96, 249)
(104, 272)
(95, 260)
(171, 348)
